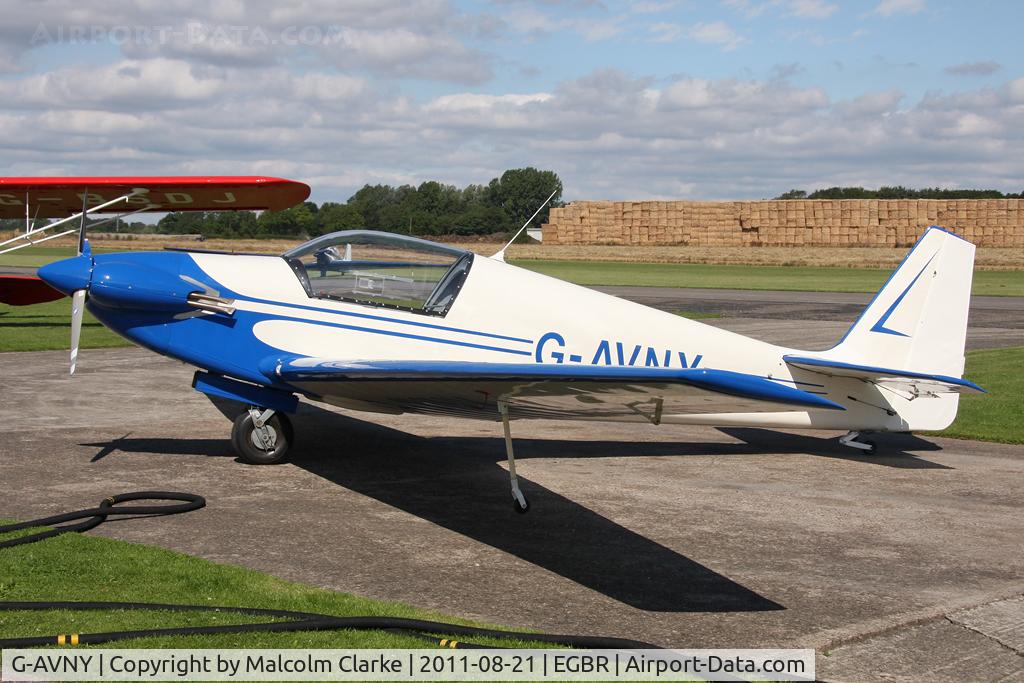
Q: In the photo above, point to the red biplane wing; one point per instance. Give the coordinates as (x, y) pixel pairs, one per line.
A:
(24, 290)
(62, 197)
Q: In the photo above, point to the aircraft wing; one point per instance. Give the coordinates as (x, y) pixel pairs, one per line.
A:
(62, 197)
(537, 390)
(24, 290)
(915, 383)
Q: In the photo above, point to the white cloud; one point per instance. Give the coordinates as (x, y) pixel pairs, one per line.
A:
(813, 9)
(887, 8)
(748, 8)
(717, 33)
(973, 69)
(148, 84)
(426, 39)
(527, 19)
(806, 9)
(476, 102)
(402, 53)
(870, 104)
(666, 32)
(1015, 89)
(326, 87)
(593, 30)
(649, 7)
(608, 134)
(530, 20)
(340, 115)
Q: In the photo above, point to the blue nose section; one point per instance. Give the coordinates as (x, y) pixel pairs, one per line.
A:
(69, 275)
(127, 282)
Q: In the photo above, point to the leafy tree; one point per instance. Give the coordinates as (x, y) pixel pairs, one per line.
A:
(298, 221)
(333, 217)
(480, 219)
(370, 202)
(895, 192)
(187, 223)
(521, 191)
(431, 208)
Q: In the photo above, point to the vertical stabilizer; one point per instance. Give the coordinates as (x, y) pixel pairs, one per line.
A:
(918, 320)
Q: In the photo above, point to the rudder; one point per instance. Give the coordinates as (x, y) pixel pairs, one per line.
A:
(918, 320)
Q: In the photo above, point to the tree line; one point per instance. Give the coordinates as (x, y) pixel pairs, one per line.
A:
(431, 208)
(897, 192)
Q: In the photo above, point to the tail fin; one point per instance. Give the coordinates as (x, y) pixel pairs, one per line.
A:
(918, 320)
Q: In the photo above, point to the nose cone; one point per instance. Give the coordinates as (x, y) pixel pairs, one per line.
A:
(69, 275)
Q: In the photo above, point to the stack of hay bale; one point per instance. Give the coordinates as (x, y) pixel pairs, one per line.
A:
(811, 222)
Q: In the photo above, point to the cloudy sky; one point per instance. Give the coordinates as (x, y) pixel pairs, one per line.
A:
(625, 100)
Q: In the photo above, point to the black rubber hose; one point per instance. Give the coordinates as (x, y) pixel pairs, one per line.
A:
(93, 517)
(299, 621)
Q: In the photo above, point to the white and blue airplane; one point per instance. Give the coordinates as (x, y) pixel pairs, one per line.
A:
(380, 322)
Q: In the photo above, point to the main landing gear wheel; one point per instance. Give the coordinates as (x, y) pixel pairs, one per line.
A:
(262, 437)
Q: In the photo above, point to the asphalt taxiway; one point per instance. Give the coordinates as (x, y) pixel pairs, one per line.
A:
(993, 321)
(909, 562)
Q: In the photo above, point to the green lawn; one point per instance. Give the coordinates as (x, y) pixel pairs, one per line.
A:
(697, 315)
(38, 256)
(999, 414)
(83, 568)
(786, 278)
(47, 327)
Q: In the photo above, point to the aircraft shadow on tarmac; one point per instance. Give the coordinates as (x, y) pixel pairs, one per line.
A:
(456, 483)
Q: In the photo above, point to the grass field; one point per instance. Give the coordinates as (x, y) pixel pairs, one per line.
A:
(47, 327)
(84, 567)
(784, 278)
(33, 257)
(998, 415)
(882, 258)
(713, 276)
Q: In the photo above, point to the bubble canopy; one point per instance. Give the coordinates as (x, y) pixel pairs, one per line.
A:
(381, 269)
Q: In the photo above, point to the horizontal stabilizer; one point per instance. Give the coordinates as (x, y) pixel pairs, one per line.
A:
(916, 383)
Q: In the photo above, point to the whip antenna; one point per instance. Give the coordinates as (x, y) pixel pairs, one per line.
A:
(500, 256)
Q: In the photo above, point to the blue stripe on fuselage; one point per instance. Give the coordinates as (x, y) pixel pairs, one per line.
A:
(382, 318)
(389, 333)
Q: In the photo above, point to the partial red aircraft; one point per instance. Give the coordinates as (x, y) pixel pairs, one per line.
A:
(40, 198)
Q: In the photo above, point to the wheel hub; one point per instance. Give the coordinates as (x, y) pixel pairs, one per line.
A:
(264, 438)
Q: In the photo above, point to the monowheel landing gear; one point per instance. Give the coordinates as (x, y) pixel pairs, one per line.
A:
(262, 436)
(853, 440)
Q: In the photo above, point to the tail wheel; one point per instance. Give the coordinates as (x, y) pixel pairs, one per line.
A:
(268, 445)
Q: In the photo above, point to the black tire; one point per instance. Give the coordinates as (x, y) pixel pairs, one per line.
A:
(519, 508)
(245, 446)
